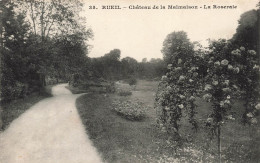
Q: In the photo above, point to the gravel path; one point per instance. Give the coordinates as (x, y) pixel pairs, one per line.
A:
(51, 131)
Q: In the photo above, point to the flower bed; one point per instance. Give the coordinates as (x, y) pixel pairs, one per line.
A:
(131, 110)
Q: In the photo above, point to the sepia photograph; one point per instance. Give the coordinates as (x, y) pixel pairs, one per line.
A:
(129, 81)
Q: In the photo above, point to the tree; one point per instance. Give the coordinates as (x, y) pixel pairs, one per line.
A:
(108, 66)
(49, 18)
(58, 20)
(129, 67)
(14, 59)
(144, 60)
(247, 31)
(176, 45)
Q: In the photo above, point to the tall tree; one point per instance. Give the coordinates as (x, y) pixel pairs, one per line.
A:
(57, 21)
(247, 31)
(176, 45)
(14, 35)
(51, 17)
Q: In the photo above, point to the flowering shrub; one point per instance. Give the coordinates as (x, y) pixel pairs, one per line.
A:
(221, 75)
(229, 73)
(177, 91)
(219, 84)
(132, 110)
(248, 80)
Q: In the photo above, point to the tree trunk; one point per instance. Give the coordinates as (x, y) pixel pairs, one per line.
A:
(42, 80)
(219, 145)
(258, 38)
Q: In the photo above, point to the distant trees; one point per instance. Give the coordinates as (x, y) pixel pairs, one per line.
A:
(111, 67)
(129, 67)
(154, 68)
(107, 66)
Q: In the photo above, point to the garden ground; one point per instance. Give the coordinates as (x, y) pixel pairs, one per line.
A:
(120, 140)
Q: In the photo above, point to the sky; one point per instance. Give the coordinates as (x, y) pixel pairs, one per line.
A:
(139, 33)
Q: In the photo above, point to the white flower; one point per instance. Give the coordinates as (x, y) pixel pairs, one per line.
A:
(257, 106)
(163, 129)
(242, 48)
(207, 97)
(177, 69)
(252, 52)
(168, 87)
(234, 86)
(254, 121)
(250, 115)
(228, 97)
(181, 96)
(224, 62)
(236, 70)
(226, 82)
(181, 106)
(194, 68)
(236, 52)
(207, 87)
(179, 61)
(195, 74)
(226, 89)
(164, 77)
(215, 82)
(227, 101)
(192, 98)
(230, 67)
(11, 37)
(217, 63)
(230, 117)
(190, 80)
(181, 77)
(169, 66)
(221, 103)
(167, 108)
(256, 67)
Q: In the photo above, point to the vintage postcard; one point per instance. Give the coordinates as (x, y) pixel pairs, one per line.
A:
(129, 81)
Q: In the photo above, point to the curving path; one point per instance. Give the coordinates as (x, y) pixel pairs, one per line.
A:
(51, 131)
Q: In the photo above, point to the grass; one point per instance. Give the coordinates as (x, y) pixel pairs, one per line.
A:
(14, 109)
(125, 93)
(120, 140)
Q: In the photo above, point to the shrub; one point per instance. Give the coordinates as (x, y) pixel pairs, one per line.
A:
(14, 91)
(124, 93)
(111, 88)
(132, 81)
(131, 110)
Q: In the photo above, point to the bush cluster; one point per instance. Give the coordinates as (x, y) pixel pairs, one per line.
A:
(131, 110)
(132, 81)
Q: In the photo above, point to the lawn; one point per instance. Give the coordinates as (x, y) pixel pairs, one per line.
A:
(121, 140)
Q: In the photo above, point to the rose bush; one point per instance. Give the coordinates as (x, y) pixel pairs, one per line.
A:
(177, 91)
